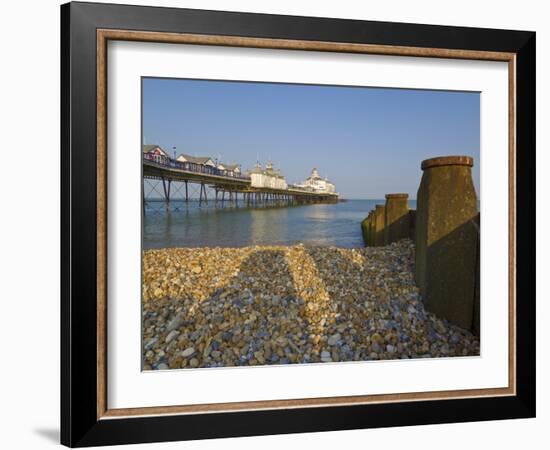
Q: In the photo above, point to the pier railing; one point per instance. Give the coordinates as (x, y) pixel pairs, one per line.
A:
(192, 167)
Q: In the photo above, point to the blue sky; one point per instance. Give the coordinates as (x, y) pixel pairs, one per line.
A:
(368, 141)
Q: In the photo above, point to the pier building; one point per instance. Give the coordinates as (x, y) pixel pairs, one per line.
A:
(316, 183)
(267, 178)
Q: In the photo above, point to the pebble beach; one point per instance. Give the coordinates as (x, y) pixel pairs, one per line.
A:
(264, 305)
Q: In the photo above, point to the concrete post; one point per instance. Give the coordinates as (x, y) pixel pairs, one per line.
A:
(378, 219)
(412, 223)
(476, 318)
(396, 217)
(446, 239)
(366, 228)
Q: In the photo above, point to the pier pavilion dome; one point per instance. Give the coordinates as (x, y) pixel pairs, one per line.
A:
(316, 183)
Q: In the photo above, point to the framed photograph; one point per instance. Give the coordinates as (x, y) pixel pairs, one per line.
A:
(277, 224)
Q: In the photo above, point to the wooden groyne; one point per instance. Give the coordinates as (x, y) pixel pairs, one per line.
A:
(445, 231)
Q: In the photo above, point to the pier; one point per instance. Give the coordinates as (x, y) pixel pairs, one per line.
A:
(176, 180)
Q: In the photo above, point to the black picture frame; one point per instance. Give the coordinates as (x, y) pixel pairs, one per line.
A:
(80, 425)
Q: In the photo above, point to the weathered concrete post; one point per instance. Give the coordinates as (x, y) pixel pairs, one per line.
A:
(476, 318)
(446, 239)
(378, 219)
(396, 217)
(366, 228)
(412, 223)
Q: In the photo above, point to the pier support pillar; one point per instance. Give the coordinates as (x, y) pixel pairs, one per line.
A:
(396, 217)
(203, 193)
(446, 240)
(143, 194)
(166, 187)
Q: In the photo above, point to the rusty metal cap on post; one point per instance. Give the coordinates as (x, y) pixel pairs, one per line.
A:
(447, 161)
(399, 195)
(380, 206)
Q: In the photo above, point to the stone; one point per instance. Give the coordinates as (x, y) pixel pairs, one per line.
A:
(171, 336)
(227, 336)
(175, 323)
(446, 239)
(326, 356)
(150, 343)
(376, 337)
(259, 355)
(162, 366)
(333, 340)
(194, 362)
(440, 327)
(188, 352)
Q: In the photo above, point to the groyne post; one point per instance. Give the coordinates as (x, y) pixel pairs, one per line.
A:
(412, 223)
(367, 228)
(379, 220)
(396, 221)
(447, 239)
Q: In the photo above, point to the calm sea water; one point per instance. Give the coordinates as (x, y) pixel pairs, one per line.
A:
(193, 226)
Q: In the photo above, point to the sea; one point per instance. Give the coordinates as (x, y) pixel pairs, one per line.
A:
(192, 225)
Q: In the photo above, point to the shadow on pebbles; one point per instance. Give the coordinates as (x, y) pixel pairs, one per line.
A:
(219, 307)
